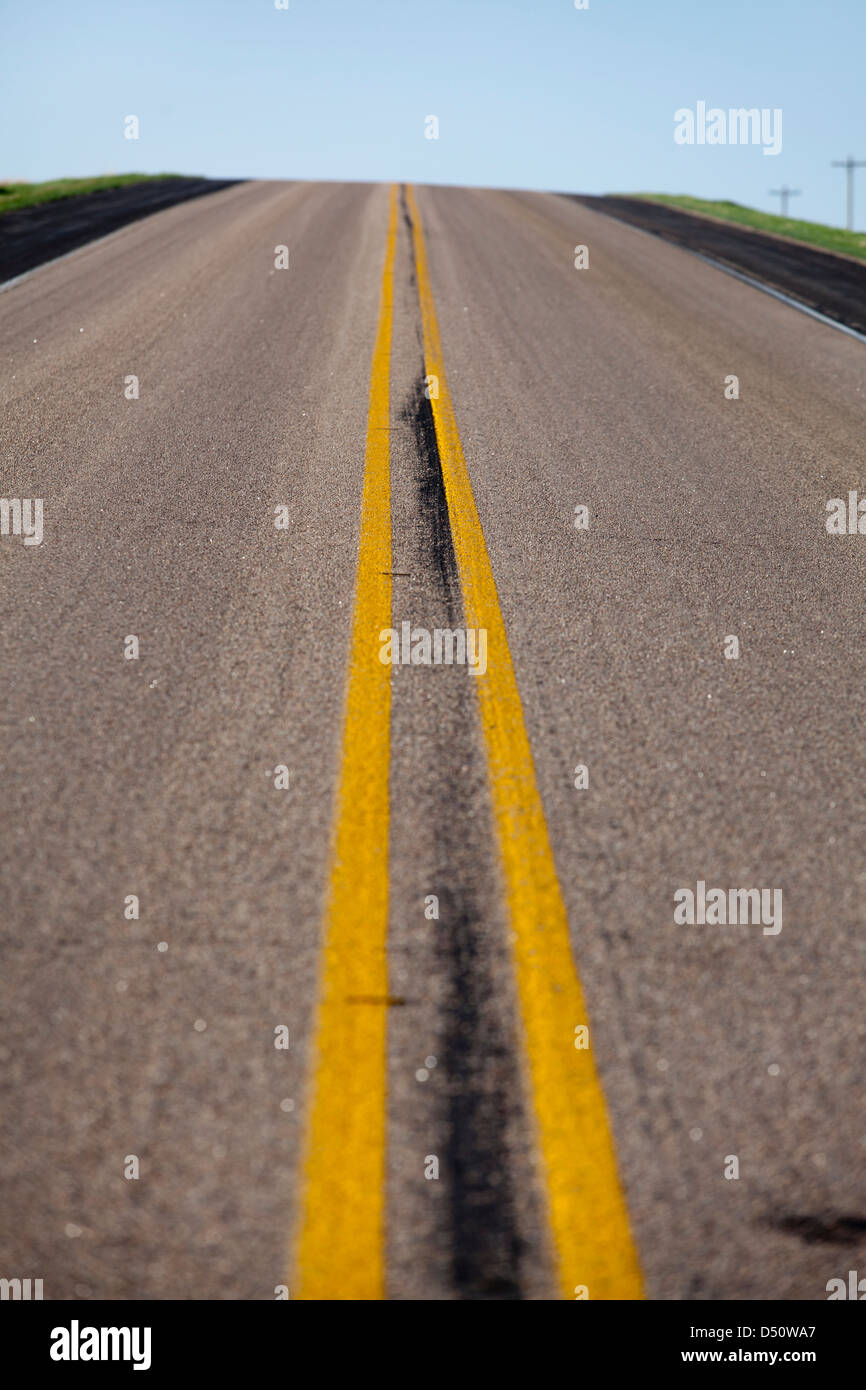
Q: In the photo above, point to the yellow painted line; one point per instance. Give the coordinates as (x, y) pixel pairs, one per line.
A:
(339, 1250)
(587, 1212)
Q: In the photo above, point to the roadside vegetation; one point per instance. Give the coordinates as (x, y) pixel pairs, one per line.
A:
(28, 195)
(814, 233)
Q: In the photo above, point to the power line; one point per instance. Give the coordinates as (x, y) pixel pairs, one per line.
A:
(849, 165)
(784, 193)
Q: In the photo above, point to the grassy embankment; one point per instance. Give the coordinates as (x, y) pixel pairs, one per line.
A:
(28, 195)
(813, 233)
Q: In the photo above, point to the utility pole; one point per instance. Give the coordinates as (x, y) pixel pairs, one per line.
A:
(784, 193)
(849, 165)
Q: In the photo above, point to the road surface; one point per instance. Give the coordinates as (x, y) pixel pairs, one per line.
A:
(551, 1089)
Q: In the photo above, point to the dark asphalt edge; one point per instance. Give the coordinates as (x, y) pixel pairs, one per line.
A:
(34, 236)
(829, 286)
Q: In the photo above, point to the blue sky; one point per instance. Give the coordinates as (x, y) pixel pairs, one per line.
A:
(529, 93)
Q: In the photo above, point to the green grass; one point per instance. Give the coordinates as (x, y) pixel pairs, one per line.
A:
(813, 233)
(28, 195)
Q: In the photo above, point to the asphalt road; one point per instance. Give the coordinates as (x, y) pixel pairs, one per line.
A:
(833, 285)
(46, 231)
(412, 1038)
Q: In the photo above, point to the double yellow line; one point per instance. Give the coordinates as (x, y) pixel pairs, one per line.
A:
(340, 1248)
